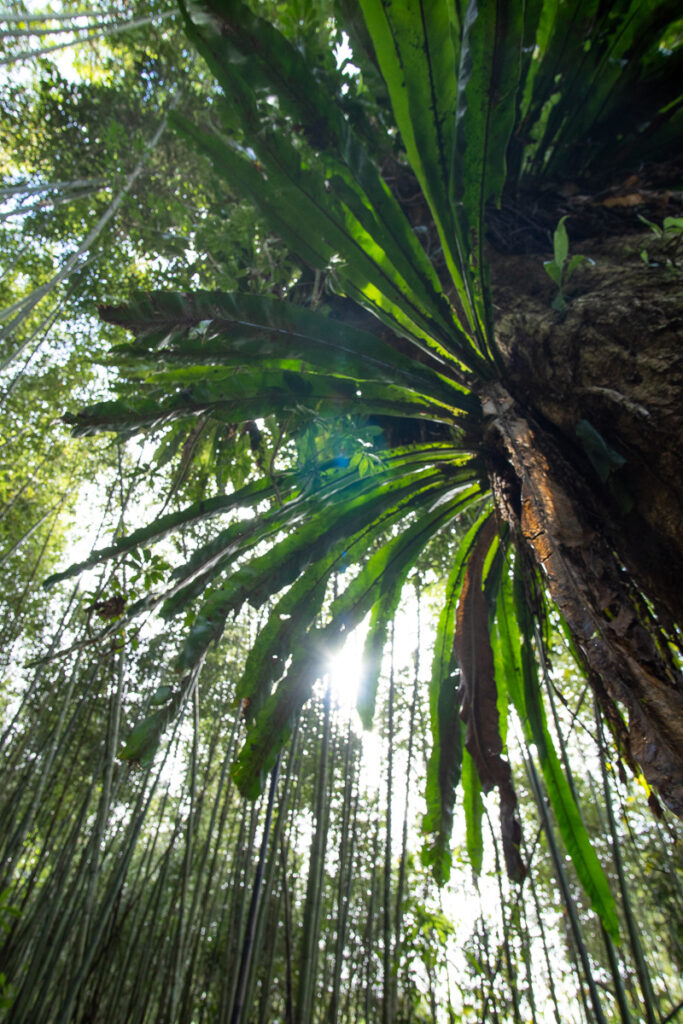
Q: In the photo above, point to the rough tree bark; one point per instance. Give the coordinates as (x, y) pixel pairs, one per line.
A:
(586, 457)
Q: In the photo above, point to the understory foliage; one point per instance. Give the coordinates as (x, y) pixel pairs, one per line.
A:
(336, 427)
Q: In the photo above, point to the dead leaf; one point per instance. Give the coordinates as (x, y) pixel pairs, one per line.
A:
(632, 199)
(479, 696)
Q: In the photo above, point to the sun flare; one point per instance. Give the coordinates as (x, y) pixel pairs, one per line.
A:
(344, 671)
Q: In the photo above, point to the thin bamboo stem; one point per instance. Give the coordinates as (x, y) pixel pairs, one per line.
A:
(19, 310)
(652, 1013)
(112, 30)
(311, 920)
(250, 929)
(387, 935)
(567, 897)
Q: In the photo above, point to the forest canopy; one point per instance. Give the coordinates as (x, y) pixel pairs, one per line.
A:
(374, 309)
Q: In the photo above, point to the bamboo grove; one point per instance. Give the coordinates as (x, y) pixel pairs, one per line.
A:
(324, 423)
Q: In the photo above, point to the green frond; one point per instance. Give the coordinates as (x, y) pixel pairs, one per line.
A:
(378, 578)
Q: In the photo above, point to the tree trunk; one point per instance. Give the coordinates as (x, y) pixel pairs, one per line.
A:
(614, 358)
(586, 460)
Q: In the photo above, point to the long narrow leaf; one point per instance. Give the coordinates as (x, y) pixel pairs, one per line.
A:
(317, 226)
(297, 610)
(517, 644)
(480, 697)
(271, 572)
(393, 560)
(242, 329)
(198, 512)
(443, 768)
(487, 82)
(272, 64)
(474, 813)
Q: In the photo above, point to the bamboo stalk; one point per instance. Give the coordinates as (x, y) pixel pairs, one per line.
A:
(19, 310)
(567, 897)
(179, 946)
(346, 840)
(652, 1012)
(400, 888)
(311, 918)
(270, 868)
(387, 993)
(250, 929)
(112, 30)
(242, 860)
(544, 944)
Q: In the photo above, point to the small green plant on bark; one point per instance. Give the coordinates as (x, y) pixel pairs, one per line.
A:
(670, 235)
(561, 268)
